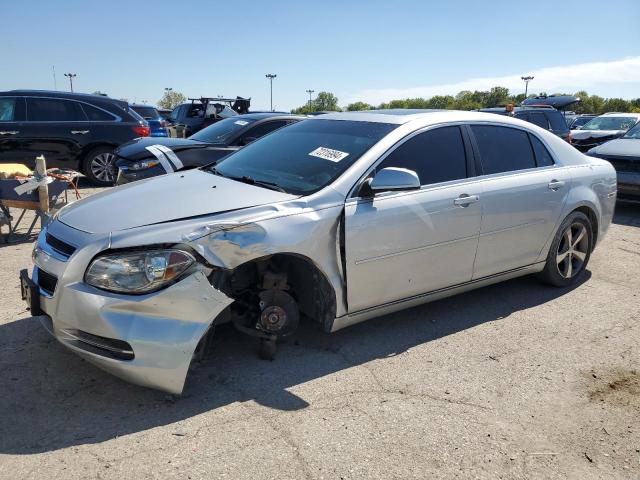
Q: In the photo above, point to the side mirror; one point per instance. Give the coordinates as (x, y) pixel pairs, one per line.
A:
(391, 179)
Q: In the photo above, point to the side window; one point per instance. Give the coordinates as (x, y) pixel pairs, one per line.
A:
(503, 149)
(539, 119)
(543, 157)
(53, 110)
(173, 116)
(260, 131)
(436, 156)
(7, 109)
(97, 114)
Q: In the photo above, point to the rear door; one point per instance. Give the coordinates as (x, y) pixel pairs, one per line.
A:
(523, 194)
(402, 244)
(56, 128)
(12, 112)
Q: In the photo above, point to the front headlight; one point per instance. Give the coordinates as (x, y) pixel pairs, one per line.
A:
(138, 272)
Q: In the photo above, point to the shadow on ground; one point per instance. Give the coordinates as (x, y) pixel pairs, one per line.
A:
(51, 399)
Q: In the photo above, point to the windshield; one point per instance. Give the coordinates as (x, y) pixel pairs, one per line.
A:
(633, 133)
(221, 132)
(303, 157)
(610, 123)
(580, 121)
(148, 113)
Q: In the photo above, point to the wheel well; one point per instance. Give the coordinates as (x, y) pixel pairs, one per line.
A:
(309, 286)
(87, 150)
(593, 218)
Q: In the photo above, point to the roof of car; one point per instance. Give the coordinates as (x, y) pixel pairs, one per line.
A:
(392, 115)
(263, 115)
(142, 105)
(71, 95)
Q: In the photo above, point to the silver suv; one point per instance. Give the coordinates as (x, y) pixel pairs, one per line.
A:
(334, 220)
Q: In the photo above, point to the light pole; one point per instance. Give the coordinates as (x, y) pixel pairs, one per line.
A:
(71, 76)
(271, 76)
(310, 92)
(526, 79)
(168, 89)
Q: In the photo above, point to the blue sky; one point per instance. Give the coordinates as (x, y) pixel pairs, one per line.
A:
(371, 50)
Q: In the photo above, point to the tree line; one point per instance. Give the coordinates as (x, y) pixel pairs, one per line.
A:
(468, 100)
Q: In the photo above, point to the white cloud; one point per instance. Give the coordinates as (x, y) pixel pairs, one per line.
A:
(603, 78)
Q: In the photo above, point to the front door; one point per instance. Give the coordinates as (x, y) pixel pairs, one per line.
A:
(402, 244)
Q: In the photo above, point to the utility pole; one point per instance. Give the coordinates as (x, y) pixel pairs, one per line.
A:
(526, 79)
(271, 76)
(71, 76)
(310, 92)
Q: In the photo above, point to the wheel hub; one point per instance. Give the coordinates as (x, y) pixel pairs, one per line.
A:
(572, 250)
(273, 318)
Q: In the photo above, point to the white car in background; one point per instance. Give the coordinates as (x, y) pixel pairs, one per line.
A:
(603, 128)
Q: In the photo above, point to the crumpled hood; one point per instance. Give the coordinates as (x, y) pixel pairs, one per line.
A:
(620, 147)
(162, 199)
(137, 149)
(584, 134)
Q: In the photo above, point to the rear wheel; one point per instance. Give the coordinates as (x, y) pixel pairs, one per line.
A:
(569, 252)
(99, 165)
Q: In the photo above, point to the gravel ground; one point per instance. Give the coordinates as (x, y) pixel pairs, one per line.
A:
(512, 381)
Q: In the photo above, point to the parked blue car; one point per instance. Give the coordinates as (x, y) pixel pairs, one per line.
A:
(157, 124)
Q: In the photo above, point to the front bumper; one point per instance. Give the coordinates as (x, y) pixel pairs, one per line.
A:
(161, 329)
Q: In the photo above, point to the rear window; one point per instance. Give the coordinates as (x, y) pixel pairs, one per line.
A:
(97, 114)
(538, 118)
(557, 121)
(221, 132)
(148, 113)
(503, 149)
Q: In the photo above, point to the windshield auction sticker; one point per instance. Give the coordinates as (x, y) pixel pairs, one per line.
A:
(241, 122)
(328, 154)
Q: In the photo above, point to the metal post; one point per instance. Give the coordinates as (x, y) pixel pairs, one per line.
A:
(43, 190)
(271, 76)
(310, 92)
(526, 79)
(71, 77)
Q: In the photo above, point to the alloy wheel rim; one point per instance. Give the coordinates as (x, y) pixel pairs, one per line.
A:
(572, 250)
(103, 167)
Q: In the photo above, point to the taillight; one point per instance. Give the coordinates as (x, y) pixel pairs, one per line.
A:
(568, 138)
(142, 131)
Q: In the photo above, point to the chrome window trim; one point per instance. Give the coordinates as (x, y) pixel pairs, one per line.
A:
(352, 195)
(116, 117)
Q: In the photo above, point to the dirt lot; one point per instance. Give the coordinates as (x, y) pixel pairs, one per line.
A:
(512, 381)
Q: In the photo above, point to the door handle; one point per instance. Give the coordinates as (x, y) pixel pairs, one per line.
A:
(465, 200)
(9, 132)
(79, 132)
(556, 184)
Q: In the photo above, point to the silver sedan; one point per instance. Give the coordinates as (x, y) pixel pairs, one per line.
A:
(334, 220)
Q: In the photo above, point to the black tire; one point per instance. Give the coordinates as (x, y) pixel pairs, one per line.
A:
(99, 166)
(569, 255)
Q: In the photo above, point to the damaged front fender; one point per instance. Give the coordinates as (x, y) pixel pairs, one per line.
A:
(163, 328)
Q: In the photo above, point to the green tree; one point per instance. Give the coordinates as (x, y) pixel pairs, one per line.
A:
(325, 101)
(356, 106)
(171, 99)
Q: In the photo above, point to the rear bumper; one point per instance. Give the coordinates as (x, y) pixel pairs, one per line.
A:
(628, 185)
(148, 339)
